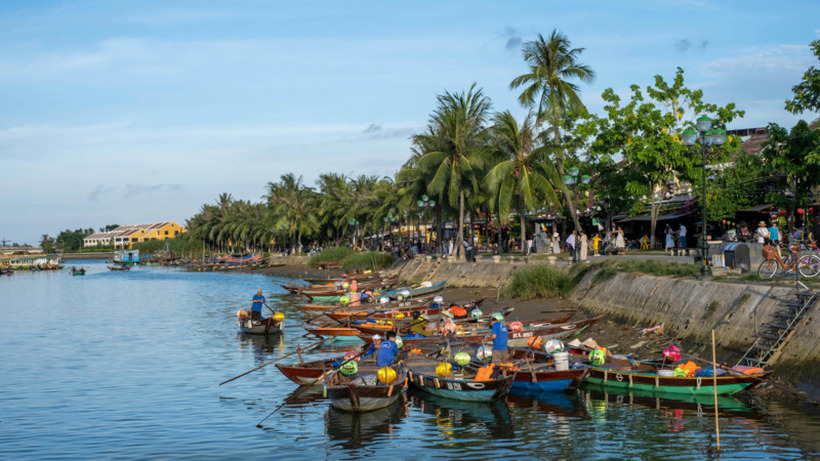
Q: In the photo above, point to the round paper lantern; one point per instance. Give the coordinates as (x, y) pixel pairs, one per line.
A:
(799, 211)
(782, 212)
(462, 358)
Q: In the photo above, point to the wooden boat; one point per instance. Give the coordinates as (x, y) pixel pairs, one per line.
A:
(6, 271)
(124, 267)
(359, 277)
(423, 288)
(365, 392)
(332, 290)
(461, 385)
(317, 308)
(79, 271)
(374, 326)
(539, 375)
(546, 331)
(324, 332)
(642, 376)
(265, 327)
(376, 312)
(307, 373)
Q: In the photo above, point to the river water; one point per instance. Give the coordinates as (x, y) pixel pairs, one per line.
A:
(126, 365)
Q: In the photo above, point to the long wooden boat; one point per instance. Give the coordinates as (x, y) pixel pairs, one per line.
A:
(646, 377)
(359, 277)
(376, 312)
(324, 332)
(308, 373)
(122, 268)
(317, 308)
(330, 291)
(536, 375)
(365, 392)
(267, 326)
(459, 386)
(417, 290)
(373, 326)
(515, 339)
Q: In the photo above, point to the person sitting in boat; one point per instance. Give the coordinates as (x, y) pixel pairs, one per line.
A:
(256, 305)
(448, 326)
(387, 350)
(366, 296)
(419, 326)
(499, 337)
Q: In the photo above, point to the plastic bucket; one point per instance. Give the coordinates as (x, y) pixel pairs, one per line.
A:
(561, 361)
(667, 373)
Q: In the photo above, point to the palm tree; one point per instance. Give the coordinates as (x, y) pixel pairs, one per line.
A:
(455, 136)
(523, 174)
(294, 204)
(553, 64)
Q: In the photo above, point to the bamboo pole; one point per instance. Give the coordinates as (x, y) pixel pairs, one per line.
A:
(714, 383)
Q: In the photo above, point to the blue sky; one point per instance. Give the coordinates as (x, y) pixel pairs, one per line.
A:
(141, 111)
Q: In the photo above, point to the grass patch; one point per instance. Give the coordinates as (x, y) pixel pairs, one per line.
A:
(539, 282)
(335, 254)
(648, 266)
(743, 299)
(711, 308)
(367, 259)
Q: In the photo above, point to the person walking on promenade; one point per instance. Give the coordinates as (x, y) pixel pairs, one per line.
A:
(584, 245)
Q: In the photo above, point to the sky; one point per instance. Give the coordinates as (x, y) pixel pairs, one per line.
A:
(134, 112)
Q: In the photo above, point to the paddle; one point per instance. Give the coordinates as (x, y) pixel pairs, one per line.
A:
(324, 376)
(274, 361)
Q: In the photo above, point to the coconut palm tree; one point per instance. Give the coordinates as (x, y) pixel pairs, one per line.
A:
(455, 136)
(295, 205)
(523, 173)
(548, 86)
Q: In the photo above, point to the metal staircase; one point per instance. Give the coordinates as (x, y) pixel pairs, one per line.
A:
(776, 332)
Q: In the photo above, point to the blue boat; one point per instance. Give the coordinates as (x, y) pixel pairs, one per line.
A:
(423, 288)
(461, 386)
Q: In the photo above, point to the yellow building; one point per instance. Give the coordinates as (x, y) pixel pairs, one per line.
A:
(125, 236)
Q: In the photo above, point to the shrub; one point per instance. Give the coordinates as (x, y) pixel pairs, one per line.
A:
(539, 282)
(367, 259)
(331, 254)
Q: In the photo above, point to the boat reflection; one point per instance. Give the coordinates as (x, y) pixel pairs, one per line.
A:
(491, 419)
(357, 429)
(262, 345)
(592, 395)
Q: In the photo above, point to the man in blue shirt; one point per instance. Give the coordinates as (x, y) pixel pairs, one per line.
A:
(499, 336)
(256, 306)
(387, 350)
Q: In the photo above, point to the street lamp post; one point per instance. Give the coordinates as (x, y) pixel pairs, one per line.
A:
(706, 137)
(572, 180)
(422, 204)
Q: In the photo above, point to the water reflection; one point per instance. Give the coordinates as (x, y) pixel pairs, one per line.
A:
(358, 429)
(482, 420)
(593, 396)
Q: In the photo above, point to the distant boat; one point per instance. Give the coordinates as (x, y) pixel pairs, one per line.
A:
(124, 267)
(79, 271)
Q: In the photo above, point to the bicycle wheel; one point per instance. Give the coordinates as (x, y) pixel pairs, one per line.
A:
(809, 266)
(767, 269)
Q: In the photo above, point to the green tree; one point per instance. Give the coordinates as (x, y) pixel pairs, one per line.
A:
(795, 154)
(457, 128)
(522, 174)
(549, 86)
(47, 243)
(294, 206)
(807, 92)
(646, 130)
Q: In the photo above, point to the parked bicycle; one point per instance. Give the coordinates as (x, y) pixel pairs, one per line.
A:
(808, 265)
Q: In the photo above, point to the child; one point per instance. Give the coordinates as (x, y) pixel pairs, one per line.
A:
(595, 241)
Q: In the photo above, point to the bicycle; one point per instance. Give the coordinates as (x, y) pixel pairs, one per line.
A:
(808, 265)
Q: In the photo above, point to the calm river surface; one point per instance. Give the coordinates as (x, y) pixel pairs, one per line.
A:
(126, 365)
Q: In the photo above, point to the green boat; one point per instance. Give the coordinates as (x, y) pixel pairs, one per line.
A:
(649, 378)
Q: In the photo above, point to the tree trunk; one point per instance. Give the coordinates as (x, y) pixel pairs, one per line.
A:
(560, 165)
(523, 221)
(458, 251)
(653, 218)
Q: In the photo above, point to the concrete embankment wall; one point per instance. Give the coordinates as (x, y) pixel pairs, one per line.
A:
(689, 309)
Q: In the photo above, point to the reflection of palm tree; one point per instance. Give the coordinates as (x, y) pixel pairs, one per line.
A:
(548, 86)
(455, 136)
(522, 172)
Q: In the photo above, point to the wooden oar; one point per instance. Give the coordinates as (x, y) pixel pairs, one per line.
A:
(273, 361)
(323, 376)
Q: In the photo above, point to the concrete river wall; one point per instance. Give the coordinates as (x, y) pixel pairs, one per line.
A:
(689, 309)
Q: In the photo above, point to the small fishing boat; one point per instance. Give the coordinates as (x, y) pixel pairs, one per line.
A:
(621, 374)
(325, 332)
(541, 374)
(6, 271)
(318, 308)
(366, 392)
(79, 271)
(266, 326)
(122, 268)
(485, 384)
(402, 312)
(359, 277)
(424, 288)
(402, 326)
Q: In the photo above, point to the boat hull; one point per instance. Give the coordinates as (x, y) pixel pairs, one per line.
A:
(664, 385)
(465, 391)
(265, 327)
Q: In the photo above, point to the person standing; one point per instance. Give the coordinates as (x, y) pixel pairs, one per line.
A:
(619, 238)
(571, 243)
(774, 236)
(682, 236)
(670, 239)
(584, 245)
(387, 350)
(596, 240)
(762, 232)
(556, 243)
(499, 336)
(256, 305)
